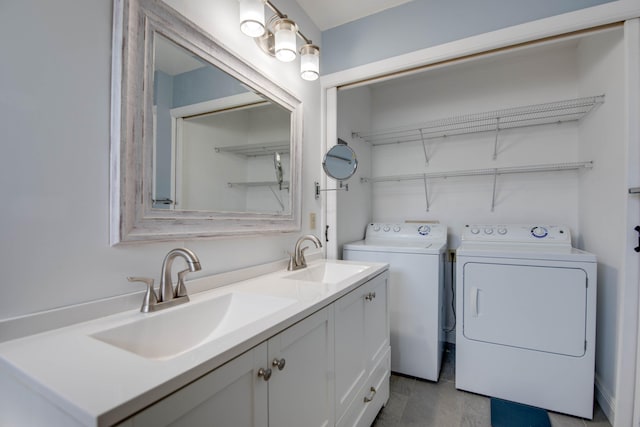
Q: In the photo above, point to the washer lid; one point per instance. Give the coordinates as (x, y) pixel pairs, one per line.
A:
(524, 251)
(398, 246)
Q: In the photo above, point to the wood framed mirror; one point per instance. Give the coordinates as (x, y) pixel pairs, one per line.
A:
(202, 144)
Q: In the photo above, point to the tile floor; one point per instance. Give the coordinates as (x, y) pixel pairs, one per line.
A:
(418, 403)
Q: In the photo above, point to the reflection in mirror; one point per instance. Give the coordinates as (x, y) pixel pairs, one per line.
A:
(340, 162)
(202, 144)
(214, 139)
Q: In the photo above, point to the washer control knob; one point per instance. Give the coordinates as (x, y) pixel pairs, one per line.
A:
(475, 230)
(396, 228)
(488, 231)
(423, 230)
(502, 231)
(539, 232)
(376, 227)
(386, 228)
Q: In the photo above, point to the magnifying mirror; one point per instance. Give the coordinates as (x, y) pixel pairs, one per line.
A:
(340, 162)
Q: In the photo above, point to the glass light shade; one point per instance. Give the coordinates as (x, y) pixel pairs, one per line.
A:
(252, 17)
(309, 62)
(285, 36)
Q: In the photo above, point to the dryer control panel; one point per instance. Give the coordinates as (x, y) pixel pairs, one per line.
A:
(517, 233)
(406, 231)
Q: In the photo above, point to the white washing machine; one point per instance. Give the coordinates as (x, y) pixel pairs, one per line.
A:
(526, 307)
(416, 255)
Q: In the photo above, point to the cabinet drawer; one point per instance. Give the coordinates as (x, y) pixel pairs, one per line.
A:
(367, 403)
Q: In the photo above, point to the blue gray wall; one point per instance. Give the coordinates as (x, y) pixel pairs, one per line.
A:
(421, 24)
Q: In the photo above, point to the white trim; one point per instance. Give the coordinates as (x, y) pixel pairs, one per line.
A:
(177, 129)
(556, 25)
(605, 400)
(628, 373)
(233, 101)
(331, 197)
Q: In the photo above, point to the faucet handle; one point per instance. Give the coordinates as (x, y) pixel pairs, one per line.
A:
(150, 298)
(181, 290)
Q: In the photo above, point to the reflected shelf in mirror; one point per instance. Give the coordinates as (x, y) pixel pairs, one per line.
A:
(252, 150)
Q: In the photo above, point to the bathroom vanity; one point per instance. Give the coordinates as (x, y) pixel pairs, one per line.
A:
(309, 347)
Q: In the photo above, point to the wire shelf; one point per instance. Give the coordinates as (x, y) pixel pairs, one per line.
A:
(492, 121)
(495, 172)
(254, 150)
(479, 172)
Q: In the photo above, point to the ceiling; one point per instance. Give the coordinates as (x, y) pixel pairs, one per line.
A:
(331, 13)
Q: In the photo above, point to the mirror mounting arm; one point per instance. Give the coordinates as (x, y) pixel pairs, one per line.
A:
(341, 186)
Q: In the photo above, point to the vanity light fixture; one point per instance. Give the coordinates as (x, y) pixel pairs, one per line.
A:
(278, 36)
(285, 37)
(309, 61)
(252, 17)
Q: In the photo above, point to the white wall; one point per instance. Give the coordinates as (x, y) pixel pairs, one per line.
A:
(54, 171)
(354, 206)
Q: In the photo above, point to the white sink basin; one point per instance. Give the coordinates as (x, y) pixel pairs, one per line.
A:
(167, 334)
(327, 273)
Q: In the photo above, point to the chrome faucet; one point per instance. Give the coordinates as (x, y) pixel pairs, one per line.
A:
(168, 295)
(297, 261)
(167, 292)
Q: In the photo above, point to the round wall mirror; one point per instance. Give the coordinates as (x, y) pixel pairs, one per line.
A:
(340, 162)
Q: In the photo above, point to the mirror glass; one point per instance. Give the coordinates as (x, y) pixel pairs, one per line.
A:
(216, 139)
(340, 162)
(202, 144)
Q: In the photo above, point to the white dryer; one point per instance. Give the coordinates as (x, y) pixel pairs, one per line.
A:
(526, 307)
(415, 254)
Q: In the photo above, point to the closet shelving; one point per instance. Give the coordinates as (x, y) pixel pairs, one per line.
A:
(490, 121)
(253, 150)
(495, 172)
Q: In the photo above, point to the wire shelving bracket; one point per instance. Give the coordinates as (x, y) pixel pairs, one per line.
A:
(491, 121)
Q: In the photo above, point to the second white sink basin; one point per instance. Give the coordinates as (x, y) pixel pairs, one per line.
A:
(167, 334)
(327, 272)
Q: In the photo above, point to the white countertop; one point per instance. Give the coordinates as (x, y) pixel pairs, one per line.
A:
(99, 384)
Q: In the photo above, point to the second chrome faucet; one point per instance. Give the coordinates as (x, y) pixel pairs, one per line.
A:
(169, 295)
(297, 261)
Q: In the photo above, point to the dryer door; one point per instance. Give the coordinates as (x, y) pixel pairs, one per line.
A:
(539, 308)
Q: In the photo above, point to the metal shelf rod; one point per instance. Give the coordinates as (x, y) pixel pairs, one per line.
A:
(285, 184)
(478, 172)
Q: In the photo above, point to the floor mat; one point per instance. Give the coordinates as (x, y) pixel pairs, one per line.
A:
(511, 414)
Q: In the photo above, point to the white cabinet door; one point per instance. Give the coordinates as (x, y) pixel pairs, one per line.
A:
(351, 347)
(362, 341)
(377, 319)
(301, 394)
(231, 396)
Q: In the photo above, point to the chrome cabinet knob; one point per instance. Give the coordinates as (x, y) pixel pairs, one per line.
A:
(279, 363)
(372, 394)
(264, 373)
